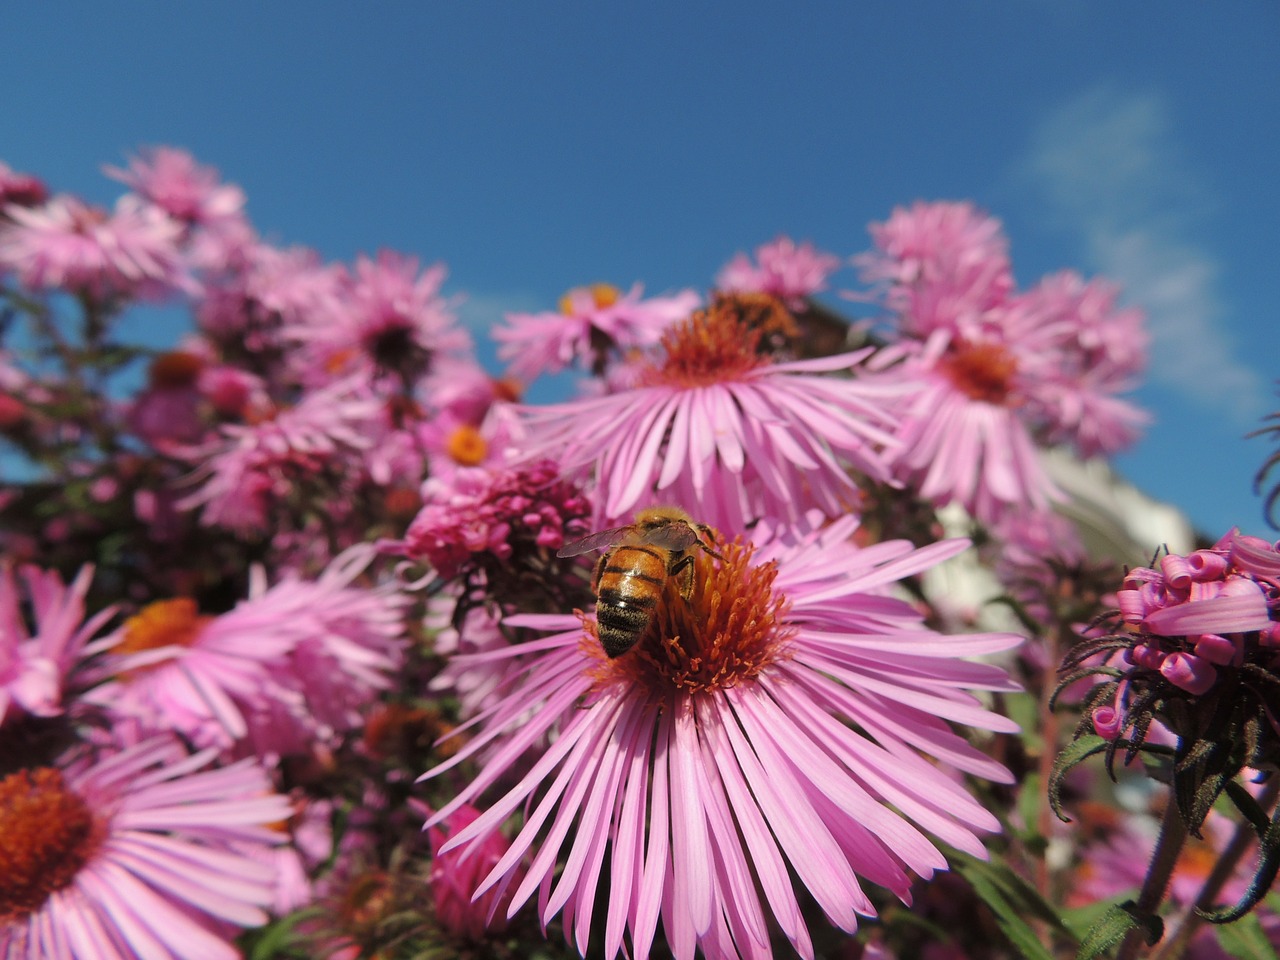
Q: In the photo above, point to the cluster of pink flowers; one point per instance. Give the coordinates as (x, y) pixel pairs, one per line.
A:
(780, 747)
(1000, 371)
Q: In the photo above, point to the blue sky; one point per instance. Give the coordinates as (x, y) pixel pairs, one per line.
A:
(533, 147)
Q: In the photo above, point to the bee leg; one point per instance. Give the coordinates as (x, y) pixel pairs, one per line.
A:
(706, 537)
(682, 570)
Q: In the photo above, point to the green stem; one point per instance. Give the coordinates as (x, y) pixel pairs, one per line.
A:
(1173, 833)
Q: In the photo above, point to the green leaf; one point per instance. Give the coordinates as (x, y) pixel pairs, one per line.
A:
(1073, 753)
(1114, 925)
(1245, 939)
(1012, 900)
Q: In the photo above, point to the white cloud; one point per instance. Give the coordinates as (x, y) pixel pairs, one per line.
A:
(1112, 171)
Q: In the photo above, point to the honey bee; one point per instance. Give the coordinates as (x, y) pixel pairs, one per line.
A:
(629, 577)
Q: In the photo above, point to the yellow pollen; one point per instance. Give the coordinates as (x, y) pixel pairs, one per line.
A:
(983, 371)
(729, 630)
(47, 834)
(466, 447)
(176, 368)
(722, 342)
(602, 295)
(340, 360)
(165, 623)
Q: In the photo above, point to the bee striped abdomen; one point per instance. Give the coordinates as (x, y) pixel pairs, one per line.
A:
(630, 582)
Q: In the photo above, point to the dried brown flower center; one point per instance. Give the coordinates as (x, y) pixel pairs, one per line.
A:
(174, 369)
(165, 623)
(721, 342)
(983, 371)
(731, 628)
(47, 834)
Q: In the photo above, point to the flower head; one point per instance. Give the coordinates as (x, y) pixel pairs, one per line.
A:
(141, 853)
(715, 413)
(715, 759)
(593, 323)
(68, 245)
(39, 649)
(784, 270)
(292, 664)
(172, 180)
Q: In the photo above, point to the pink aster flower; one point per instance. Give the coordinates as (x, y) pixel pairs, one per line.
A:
(247, 311)
(392, 319)
(950, 256)
(174, 182)
(786, 271)
(721, 428)
(455, 875)
(291, 665)
(594, 324)
(139, 854)
(778, 723)
(68, 245)
(44, 635)
(247, 467)
(20, 189)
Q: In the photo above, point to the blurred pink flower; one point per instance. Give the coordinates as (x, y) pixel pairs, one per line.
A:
(291, 666)
(44, 636)
(20, 189)
(776, 724)
(140, 853)
(789, 272)
(174, 182)
(247, 466)
(720, 428)
(593, 323)
(68, 245)
(392, 318)
(455, 876)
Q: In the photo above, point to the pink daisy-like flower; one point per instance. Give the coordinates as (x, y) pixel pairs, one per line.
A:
(249, 465)
(952, 250)
(291, 665)
(718, 426)
(789, 272)
(174, 182)
(39, 649)
(140, 854)
(593, 323)
(392, 319)
(776, 723)
(68, 245)
(455, 875)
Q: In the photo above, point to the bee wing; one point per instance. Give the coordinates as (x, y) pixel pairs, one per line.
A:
(677, 535)
(594, 541)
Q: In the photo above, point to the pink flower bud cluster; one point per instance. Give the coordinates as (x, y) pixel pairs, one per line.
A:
(1199, 613)
(481, 511)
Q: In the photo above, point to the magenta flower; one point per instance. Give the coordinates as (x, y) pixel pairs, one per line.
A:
(392, 319)
(68, 245)
(139, 854)
(593, 323)
(20, 189)
(716, 758)
(455, 875)
(291, 665)
(247, 467)
(44, 635)
(783, 270)
(721, 428)
(173, 181)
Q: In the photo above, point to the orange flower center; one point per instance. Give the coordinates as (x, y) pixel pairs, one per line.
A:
(165, 623)
(466, 447)
(47, 834)
(731, 628)
(602, 295)
(983, 371)
(720, 343)
(177, 368)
